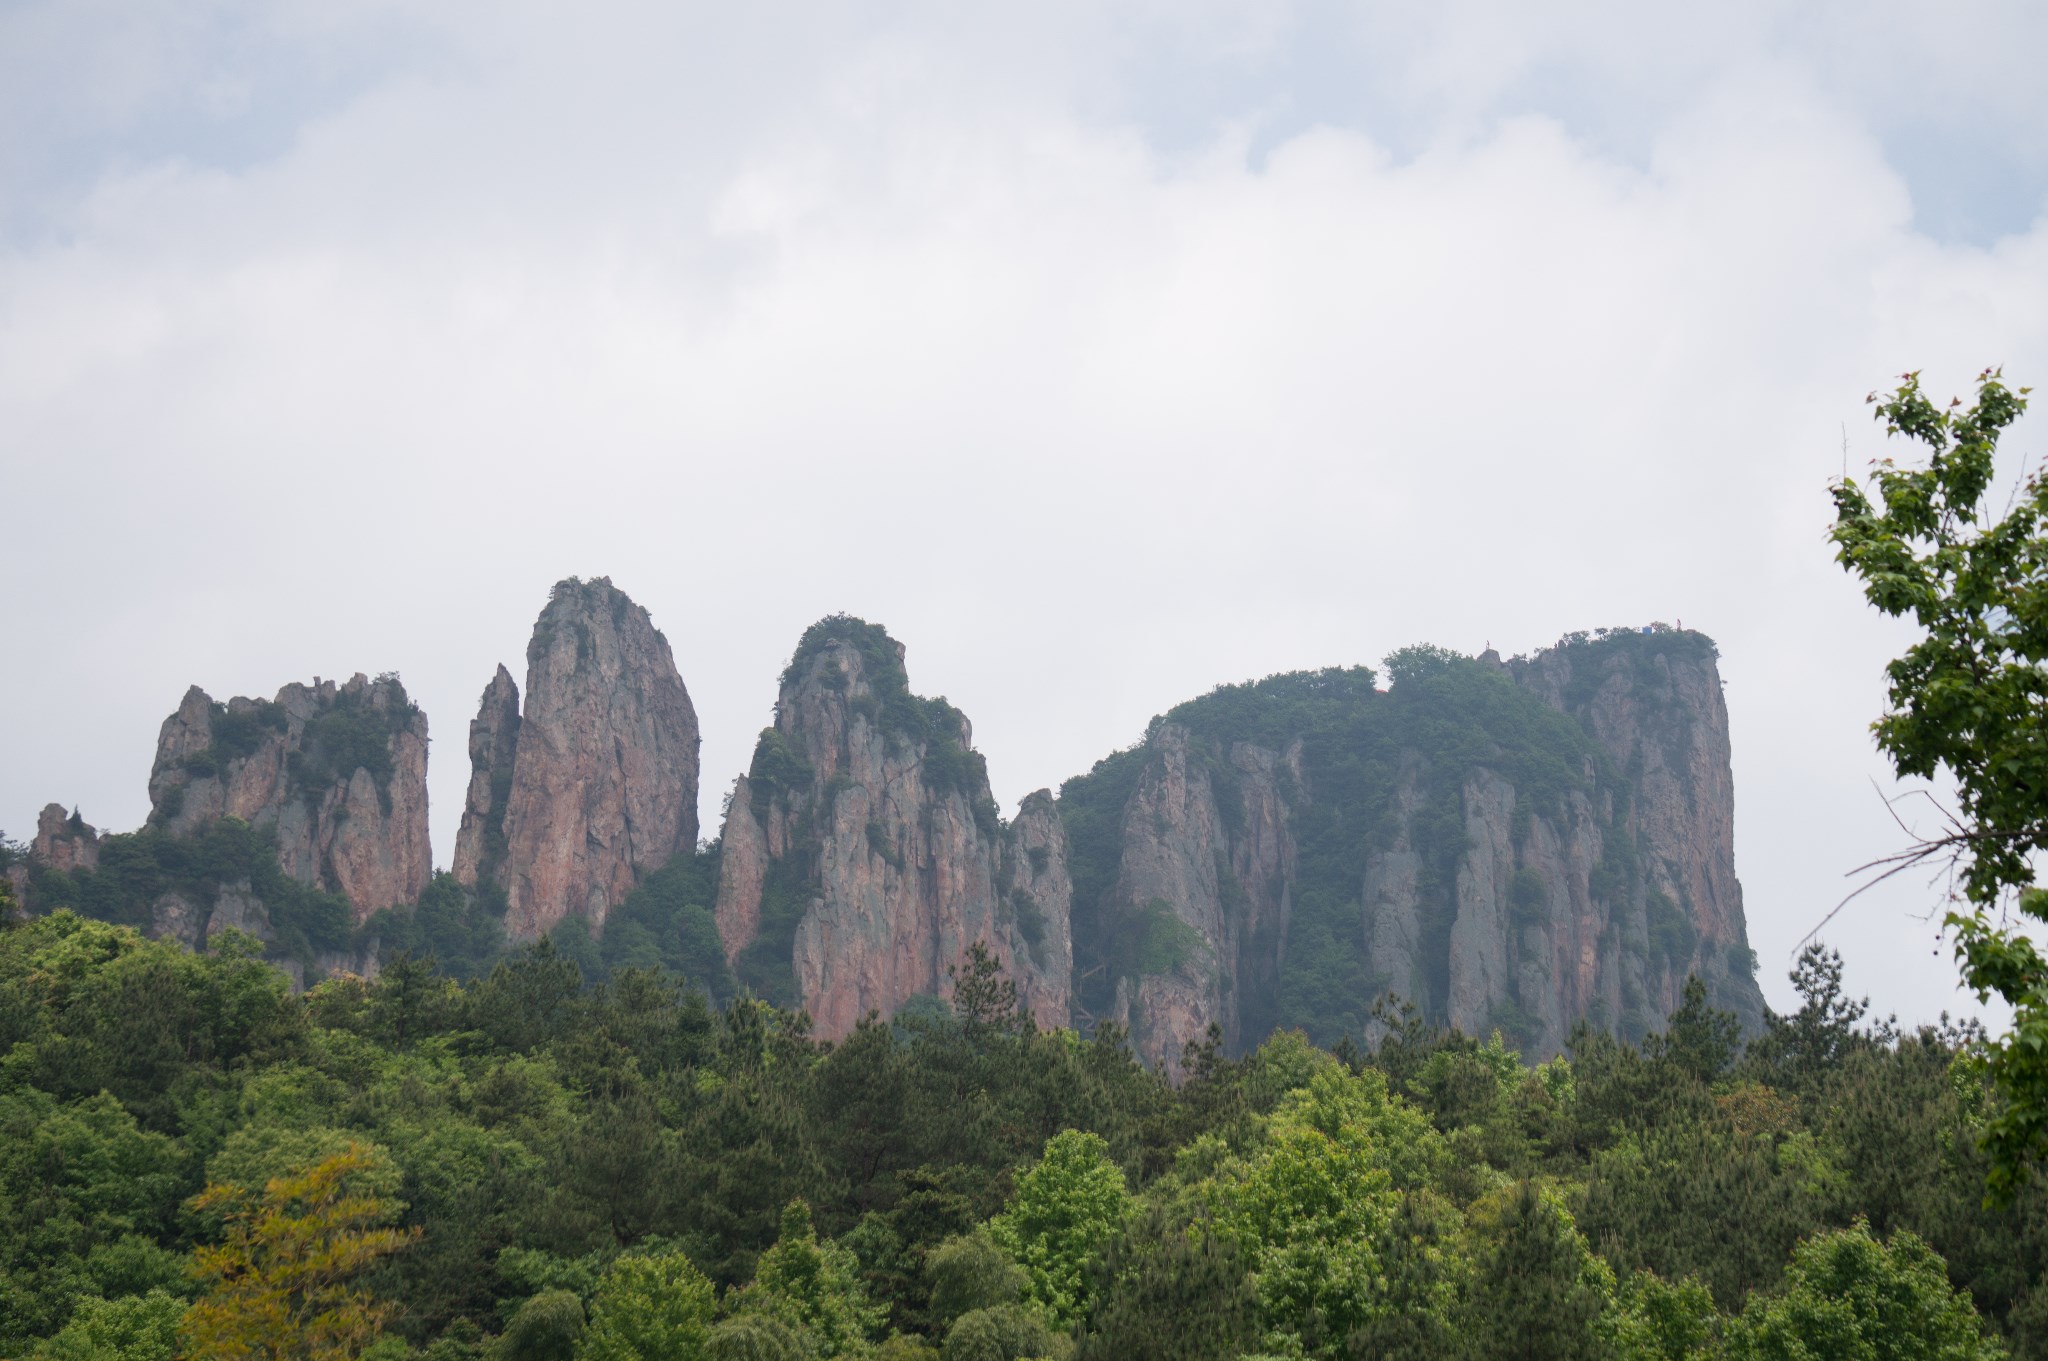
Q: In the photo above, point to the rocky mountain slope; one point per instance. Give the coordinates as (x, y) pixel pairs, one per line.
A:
(863, 855)
(1513, 846)
(591, 787)
(338, 772)
(1510, 846)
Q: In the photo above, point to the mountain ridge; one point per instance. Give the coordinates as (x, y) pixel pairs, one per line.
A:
(1515, 845)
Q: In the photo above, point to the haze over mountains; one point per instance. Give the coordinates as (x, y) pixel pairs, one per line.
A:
(1512, 845)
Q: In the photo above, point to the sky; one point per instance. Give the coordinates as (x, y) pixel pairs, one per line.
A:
(1104, 352)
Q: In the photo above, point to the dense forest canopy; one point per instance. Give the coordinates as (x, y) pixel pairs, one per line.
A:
(531, 1164)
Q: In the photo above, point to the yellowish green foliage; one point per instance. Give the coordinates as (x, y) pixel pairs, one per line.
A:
(1849, 1296)
(132, 1328)
(812, 1288)
(1066, 1207)
(649, 1307)
(1309, 1207)
(1657, 1320)
(283, 1282)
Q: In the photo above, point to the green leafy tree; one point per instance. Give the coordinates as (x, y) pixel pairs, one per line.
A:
(1538, 1293)
(755, 1337)
(77, 1180)
(1657, 1320)
(1800, 1050)
(1850, 1297)
(1167, 1293)
(970, 1272)
(649, 1307)
(1003, 1332)
(1309, 1211)
(545, 1328)
(1066, 1207)
(812, 1288)
(1970, 700)
(133, 1328)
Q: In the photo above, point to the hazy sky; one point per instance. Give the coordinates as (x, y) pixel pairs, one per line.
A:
(1102, 351)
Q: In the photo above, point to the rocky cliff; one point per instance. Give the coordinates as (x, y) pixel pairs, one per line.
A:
(594, 785)
(493, 742)
(1510, 846)
(337, 771)
(65, 841)
(863, 855)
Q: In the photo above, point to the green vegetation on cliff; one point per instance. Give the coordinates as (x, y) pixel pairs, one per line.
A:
(1443, 716)
(139, 870)
(914, 721)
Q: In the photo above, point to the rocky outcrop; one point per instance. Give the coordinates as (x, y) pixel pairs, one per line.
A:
(65, 841)
(337, 772)
(863, 857)
(493, 742)
(1652, 701)
(1523, 844)
(1036, 910)
(602, 782)
(1521, 931)
(1203, 891)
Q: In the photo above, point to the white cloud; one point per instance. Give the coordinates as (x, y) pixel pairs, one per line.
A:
(923, 322)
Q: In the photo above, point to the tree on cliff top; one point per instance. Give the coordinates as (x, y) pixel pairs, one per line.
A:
(1970, 699)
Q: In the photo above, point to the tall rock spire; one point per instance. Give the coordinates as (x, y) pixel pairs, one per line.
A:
(493, 743)
(863, 857)
(594, 786)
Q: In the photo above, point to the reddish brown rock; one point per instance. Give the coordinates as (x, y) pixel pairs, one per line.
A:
(603, 787)
(1207, 900)
(493, 743)
(65, 841)
(863, 855)
(1035, 915)
(338, 772)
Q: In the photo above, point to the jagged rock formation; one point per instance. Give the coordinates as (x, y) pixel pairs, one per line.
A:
(1512, 846)
(1203, 890)
(594, 786)
(863, 855)
(493, 742)
(176, 916)
(65, 841)
(337, 772)
(1659, 715)
(1040, 904)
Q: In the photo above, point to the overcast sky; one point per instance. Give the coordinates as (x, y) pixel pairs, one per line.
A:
(1103, 352)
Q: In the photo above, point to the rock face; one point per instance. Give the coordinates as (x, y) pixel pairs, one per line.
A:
(1037, 910)
(594, 786)
(493, 742)
(1203, 891)
(65, 841)
(339, 772)
(1654, 704)
(863, 856)
(1474, 854)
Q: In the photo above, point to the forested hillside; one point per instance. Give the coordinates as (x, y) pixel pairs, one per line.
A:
(524, 1165)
